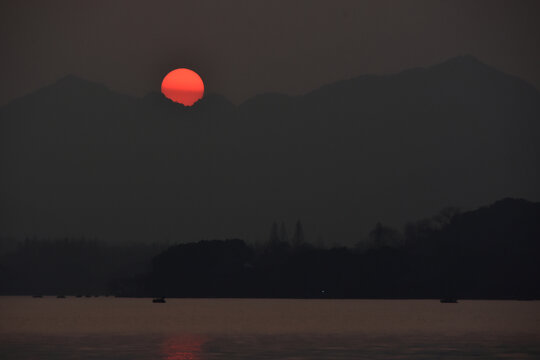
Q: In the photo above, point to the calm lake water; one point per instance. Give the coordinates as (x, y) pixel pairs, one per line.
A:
(115, 328)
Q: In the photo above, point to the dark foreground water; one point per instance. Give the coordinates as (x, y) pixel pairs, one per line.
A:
(111, 328)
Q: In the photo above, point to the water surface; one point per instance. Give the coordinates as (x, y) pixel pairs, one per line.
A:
(119, 328)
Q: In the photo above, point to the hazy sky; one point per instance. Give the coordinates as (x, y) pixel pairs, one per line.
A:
(242, 48)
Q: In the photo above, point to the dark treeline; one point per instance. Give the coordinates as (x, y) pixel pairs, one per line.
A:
(71, 266)
(491, 252)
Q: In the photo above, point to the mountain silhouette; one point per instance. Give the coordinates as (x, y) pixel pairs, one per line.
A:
(80, 159)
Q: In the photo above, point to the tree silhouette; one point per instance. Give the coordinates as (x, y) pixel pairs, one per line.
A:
(298, 238)
(283, 233)
(274, 236)
(382, 236)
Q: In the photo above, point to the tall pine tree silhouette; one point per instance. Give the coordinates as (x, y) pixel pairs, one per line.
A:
(298, 238)
(274, 236)
(283, 233)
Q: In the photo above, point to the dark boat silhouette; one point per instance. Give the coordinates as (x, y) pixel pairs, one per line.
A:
(449, 301)
(61, 297)
(159, 300)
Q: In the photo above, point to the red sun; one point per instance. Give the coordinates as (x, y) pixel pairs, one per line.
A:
(183, 86)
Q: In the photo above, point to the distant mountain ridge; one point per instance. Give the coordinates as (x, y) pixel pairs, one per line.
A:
(80, 159)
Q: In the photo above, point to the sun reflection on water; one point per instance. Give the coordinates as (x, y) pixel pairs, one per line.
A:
(182, 347)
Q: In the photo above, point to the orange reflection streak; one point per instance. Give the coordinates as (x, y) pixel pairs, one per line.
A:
(183, 347)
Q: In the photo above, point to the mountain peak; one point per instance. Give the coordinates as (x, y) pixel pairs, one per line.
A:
(71, 78)
(467, 58)
(71, 81)
(462, 62)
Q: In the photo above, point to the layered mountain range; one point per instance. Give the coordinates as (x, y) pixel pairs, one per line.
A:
(78, 159)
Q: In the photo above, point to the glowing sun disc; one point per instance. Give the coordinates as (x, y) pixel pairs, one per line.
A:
(183, 86)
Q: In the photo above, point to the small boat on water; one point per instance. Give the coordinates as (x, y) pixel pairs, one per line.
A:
(160, 300)
(449, 301)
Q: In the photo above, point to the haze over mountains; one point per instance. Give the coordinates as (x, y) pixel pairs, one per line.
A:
(80, 160)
